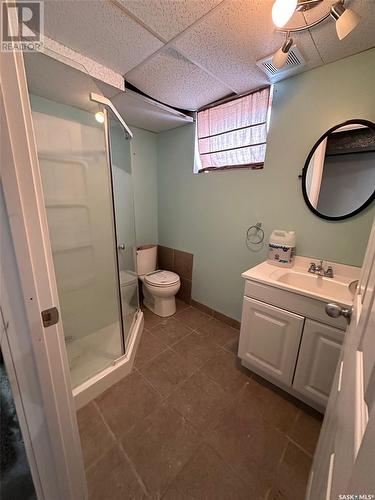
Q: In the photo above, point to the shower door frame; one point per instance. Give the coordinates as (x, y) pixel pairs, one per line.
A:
(23, 194)
(122, 366)
(109, 106)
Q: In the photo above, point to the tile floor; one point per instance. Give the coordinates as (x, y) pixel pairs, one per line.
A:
(190, 423)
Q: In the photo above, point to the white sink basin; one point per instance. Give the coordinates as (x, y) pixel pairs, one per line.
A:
(324, 287)
(298, 280)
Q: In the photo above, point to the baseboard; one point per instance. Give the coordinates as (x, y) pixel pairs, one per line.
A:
(216, 314)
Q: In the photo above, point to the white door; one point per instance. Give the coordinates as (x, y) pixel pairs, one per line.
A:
(317, 361)
(20, 180)
(269, 339)
(344, 459)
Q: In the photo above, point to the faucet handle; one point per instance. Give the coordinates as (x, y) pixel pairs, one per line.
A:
(329, 272)
(312, 267)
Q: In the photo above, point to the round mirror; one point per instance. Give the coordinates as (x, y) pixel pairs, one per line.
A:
(338, 179)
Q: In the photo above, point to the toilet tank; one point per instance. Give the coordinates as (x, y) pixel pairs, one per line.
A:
(146, 259)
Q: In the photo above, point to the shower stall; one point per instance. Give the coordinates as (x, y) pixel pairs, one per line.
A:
(85, 164)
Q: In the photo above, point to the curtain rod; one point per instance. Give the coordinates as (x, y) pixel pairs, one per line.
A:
(231, 98)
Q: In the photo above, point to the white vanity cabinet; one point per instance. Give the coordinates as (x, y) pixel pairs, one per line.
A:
(287, 347)
(317, 360)
(270, 339)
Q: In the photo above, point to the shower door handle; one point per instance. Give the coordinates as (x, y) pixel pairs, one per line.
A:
(122, 246)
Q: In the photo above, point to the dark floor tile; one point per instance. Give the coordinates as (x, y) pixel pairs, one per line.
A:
(306, 430)
(112, 478)
(181, 305)
(292, 475)
(159, 447)
(196, 349)
(170, 331)
(226, 370)
(207, 477)
(166, 371)
(250, 445)
(150, 318)
(127, 402)
(183, 264)
(200, 400)
(271, 403)
(149, 347)
(219, 332)
(232, 346)
(96, 439)
(193, 318)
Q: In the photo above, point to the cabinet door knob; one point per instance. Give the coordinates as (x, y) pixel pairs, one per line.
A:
(334, 311)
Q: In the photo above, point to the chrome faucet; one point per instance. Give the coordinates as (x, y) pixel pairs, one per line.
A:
(320, 271)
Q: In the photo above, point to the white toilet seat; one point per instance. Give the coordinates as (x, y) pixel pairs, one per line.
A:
(159, 290)
(162, 279)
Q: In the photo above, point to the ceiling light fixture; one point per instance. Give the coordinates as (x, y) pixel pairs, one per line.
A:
(283, 10)
(280, 57)
(99, 116)
(346, 19)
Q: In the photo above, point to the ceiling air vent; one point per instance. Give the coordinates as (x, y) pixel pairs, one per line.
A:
(295, 60)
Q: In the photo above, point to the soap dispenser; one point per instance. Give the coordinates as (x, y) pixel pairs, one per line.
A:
(281, 248)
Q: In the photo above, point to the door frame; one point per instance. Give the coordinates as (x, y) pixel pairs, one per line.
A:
(22, 188)
(341, 464)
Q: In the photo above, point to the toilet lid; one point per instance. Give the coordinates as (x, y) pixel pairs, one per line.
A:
(162, 278)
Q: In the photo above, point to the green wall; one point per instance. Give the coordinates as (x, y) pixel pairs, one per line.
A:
(208, 214)
(144, 166)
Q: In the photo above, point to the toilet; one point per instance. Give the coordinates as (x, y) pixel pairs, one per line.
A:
(159, 287)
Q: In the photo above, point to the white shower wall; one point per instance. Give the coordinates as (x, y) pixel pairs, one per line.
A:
(75, 171)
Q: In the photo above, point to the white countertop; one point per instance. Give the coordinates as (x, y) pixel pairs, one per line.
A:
(297, 279)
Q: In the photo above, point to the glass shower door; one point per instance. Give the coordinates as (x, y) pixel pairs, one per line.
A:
(72, 144)
(85, 165)
(123, 198)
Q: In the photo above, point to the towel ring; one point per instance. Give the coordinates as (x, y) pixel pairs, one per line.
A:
(259, 234)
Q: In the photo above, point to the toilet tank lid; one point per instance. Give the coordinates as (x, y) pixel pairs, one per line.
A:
(160, 278)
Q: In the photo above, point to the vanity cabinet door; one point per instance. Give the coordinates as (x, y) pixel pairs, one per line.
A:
(317, 361)
(269, 339)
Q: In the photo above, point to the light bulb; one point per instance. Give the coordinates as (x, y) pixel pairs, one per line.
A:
(282, 11)
(346, 23)
(99, 116)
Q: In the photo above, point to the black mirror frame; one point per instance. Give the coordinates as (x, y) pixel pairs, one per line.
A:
(367, 123)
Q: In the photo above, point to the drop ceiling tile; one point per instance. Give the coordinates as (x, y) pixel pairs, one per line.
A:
(169, 17)
(360, 39)
(141, 113)
(100, 30)
(231, 39)
(170, 78)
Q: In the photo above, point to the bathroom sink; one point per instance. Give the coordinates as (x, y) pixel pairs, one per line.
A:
(298, 280)
(325, 287)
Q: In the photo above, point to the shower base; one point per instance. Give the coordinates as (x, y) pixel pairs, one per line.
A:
(87, 355)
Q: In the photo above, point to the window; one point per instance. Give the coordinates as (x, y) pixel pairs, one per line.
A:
(233, 134)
